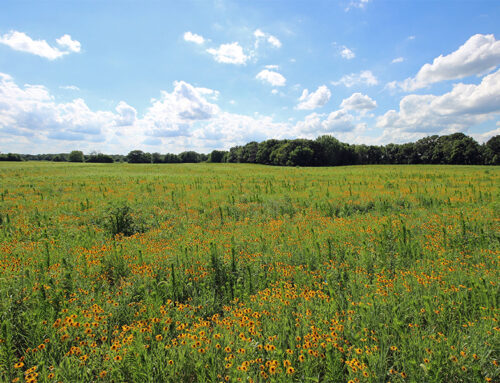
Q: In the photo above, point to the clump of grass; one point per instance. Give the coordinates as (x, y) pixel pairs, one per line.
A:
(120, 221)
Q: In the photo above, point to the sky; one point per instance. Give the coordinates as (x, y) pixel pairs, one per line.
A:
(169, 76)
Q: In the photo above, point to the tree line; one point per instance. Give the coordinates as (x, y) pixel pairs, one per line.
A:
(326, 150)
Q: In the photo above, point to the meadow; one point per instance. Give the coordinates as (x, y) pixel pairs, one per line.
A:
(249, 273)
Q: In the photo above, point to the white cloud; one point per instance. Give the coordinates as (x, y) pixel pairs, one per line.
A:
(484, 137)
(32, 112)
(262, 36)
(68, 43)
(464, 106)
(313, 100)
(357, 4)
(20, 41)
(365, 77)
(127, 114)
(274, 41)
(229, 54)
(347, 53)
(271, 67)
(478, 55)
(271, 77)
(398, 60)
(358, 101)
(193, 38)
(259, 34)
(70, 87)
(175, 113)
(344, 51)
(316, 124)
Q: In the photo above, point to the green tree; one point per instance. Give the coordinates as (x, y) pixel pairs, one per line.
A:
(138, 157)
(76, 156)
(216, 156)
(189, 157)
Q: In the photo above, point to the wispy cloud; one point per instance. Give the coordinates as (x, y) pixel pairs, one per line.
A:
(20, 41)
(365, 77)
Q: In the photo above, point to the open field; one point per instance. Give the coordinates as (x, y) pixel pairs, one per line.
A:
(246, 273)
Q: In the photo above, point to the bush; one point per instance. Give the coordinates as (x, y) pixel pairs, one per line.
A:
(100, 158)
(119, 220)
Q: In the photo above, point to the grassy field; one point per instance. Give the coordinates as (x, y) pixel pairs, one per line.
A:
(248, 273)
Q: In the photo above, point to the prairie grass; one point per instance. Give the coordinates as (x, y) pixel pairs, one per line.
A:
(240, 273)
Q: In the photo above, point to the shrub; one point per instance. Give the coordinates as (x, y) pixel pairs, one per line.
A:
(119, 220)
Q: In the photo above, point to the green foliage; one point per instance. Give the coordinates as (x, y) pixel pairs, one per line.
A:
(99, 158)
(119, 220)
(190, 157)
(76, 156)
(11, 157)
(138, 157)
(217, 156)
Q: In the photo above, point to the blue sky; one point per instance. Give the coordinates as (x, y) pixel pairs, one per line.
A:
(168, 76)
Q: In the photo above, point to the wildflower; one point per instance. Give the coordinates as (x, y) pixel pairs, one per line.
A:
(290, 370)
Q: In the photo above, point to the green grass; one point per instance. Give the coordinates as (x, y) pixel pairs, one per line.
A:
(232, 272)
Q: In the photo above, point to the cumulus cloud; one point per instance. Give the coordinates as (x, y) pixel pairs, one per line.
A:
(193, 38)
(365, 77)
(313, 100)
(69, 44)
(229, 54)
(32, 111)
(397, 60)
(20, 41)
(271, 77)
(175, 113)
(127, 115)
(358, 101)
(316, 124)
(464, 106)
(478, 55)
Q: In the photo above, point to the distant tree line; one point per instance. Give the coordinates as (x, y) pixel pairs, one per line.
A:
(326, 150)
(455, 148)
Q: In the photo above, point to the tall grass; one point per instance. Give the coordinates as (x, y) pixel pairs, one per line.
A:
(220, 272)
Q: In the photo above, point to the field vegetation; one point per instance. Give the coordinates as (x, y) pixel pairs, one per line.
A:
(248, 273)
